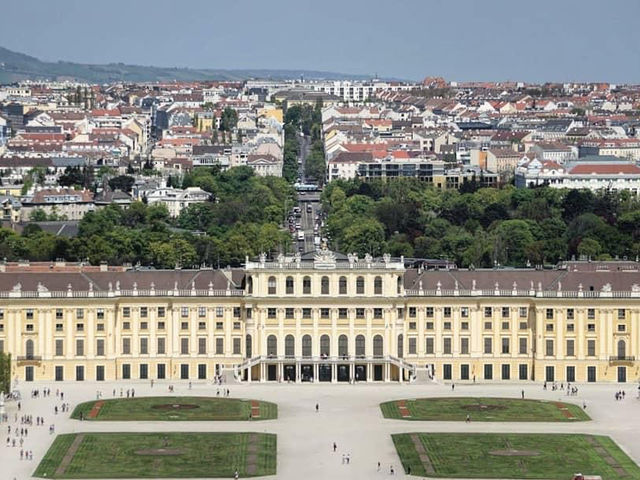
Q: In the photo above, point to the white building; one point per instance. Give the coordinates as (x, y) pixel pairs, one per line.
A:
(176, 199)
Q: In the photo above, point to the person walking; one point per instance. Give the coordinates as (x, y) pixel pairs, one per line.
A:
(522, 394)
(335, 447)
(317, 408)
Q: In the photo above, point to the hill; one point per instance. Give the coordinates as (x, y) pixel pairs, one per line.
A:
(15, 66)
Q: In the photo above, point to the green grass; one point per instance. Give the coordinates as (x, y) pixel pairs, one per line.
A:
(559, 456)
(142, 408)
(497, 410)
(114, 455)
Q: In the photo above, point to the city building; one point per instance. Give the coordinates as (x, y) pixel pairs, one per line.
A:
(325, 317)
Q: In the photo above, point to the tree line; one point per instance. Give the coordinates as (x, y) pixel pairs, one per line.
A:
(481, 228)
(244, 219)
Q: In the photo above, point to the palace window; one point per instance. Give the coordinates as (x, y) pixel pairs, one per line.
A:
(324, 313)
(412, 312)
(622, 314)
(464, 312)
(271, 285)
(144, 346)
(549, 347)
(591, 348)
(522, 348)
(288, 313)
(377, 286)
(549, 313)
(591, 313)
(161, 312)
(289, 286)
(464, 345)
(446, 345)
(505, 312)
(570, 348)
(523, 312)
(488, 312)
(58, 314)
(570, 313)
(377, 313)
(306, 285)
(429, 345)
(429, 312)
(447, 312)
(488, 345)
(306, 313)
(202, 312)
(342, 313)
(360, 285)
(126, 312)
(324, 286)
(271, 313)
(144, 312)
(505, 345)
(342, 286)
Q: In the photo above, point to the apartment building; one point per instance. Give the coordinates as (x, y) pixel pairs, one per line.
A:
(324, 317)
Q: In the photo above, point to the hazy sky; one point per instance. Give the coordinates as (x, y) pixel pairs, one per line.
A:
(543, 40)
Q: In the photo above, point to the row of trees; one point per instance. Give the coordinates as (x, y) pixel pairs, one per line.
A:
(243, 220)
(307, 120)
(5, 372)
(489, 226)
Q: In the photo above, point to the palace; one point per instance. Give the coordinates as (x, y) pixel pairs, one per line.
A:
(322, 317)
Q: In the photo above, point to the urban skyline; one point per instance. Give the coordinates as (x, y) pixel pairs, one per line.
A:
(495, 41)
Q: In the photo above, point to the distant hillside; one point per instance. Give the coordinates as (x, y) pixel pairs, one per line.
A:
(16, 66)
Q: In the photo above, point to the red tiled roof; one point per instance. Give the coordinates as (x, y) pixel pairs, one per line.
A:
(603, 168)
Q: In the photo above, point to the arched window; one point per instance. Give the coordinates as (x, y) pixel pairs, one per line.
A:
(271, 284)
(306, 346)
(343, 345)
(272, 346)
(29, 349)
(342, 286)
(360, 349)
(306, 285)
(289, 346)
(360, 285)
(378, 346)
(377, 286)
(250, 285)
(622, 349)
(248, 346)
(399, 282)
(400, 346)
(289, 286)
(324, 285)
(325, 345)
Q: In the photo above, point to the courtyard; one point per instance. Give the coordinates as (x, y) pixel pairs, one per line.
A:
(349, 415)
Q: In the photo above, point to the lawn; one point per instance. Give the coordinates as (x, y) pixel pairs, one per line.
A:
(159, 455)
(175, 409)
(483, 410)
(479, 455)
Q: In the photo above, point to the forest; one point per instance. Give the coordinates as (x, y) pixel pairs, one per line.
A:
(481, 227)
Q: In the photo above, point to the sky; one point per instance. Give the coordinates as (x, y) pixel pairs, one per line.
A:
(490, 40)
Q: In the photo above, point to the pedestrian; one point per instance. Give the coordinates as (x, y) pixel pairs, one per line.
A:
(189, 385)
(408, 469)
(453, 385)
(317, 408)
(236, 475)
(523, 394)
(468, 420)
(391, 470)
(378, 466)
(344, 458)
(348, 458)
(335, 447)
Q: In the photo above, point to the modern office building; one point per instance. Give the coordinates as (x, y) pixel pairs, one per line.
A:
(322, 317)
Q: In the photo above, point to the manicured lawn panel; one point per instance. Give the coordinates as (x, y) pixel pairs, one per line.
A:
(142, 409)
(138, 455)
(485, 410)
(557, 456)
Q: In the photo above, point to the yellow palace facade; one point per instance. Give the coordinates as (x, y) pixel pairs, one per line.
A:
(322, 317)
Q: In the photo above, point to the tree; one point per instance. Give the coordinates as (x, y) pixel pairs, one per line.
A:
(122, 182)
(228, 119)
(5, 372)
(38, 215)
(589, 247)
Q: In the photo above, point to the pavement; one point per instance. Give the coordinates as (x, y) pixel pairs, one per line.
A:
(348, 415)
